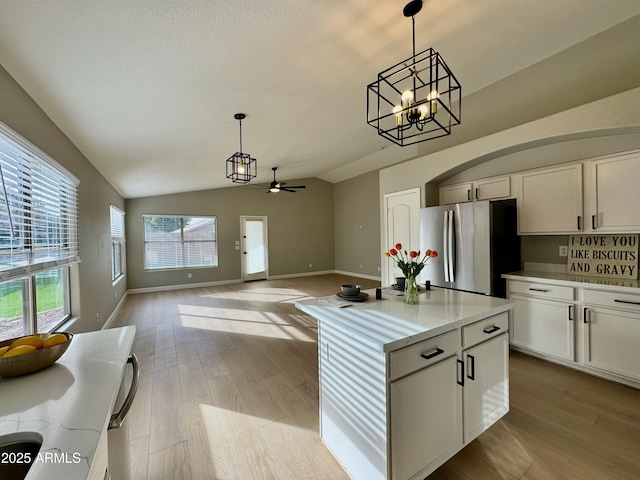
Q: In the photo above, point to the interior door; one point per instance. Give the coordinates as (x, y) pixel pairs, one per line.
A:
(254, 247)
(401, 225)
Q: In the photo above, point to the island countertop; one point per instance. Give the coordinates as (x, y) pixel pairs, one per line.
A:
(69, 403)
(390, 324)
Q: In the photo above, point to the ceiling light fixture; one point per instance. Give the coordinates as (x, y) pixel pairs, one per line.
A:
(241, 168)
(417, 99)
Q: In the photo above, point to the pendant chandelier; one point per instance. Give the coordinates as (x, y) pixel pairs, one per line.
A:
(241, 168)
(417, 99)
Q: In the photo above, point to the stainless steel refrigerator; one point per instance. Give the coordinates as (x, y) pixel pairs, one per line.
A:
(476, 243)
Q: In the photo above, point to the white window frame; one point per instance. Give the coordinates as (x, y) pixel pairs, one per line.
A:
(38, 222)
(118, 243)
(182, 242)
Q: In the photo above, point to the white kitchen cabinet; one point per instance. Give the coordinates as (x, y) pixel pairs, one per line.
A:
(486, 385)
(544, 326)
(611, 332)
(391, 379)
(612, 195)
(426, 419)
(485, 189)
(543, 318)
(550, 200)
(458, 193)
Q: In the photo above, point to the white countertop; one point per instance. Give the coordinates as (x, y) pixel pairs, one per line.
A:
(390, 324)
(70, 402)
(571, 280)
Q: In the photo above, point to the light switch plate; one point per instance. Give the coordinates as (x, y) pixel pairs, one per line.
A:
(563, 251)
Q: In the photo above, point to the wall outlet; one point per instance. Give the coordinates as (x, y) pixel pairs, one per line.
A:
(563, 251)
(97, 318)
(310, 265)
(189, 275)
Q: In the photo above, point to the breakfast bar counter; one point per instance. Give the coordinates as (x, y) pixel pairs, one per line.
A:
(69, 404)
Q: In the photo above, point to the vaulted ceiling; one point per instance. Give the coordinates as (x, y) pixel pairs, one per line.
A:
(147, 90)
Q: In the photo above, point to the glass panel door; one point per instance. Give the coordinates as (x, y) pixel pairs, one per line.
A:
(254, 248)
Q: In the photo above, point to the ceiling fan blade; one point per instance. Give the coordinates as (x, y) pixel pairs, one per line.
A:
(297, 186)
(288, 190)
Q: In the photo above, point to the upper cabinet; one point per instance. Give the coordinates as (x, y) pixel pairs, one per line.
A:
(550, 200)
(486, 189)
(612, 193)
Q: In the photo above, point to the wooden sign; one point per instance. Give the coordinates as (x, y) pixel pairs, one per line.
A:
(612, 256)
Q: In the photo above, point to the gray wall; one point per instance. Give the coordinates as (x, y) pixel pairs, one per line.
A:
(301, 230)
(94, 292)
(357, 225)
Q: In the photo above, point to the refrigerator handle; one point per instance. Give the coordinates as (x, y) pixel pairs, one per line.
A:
(451, 246)
(445, 229)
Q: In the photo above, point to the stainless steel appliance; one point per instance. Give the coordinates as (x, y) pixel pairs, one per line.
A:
(476, 243)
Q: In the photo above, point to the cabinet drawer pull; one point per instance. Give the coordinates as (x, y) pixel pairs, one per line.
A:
(490, 330)
(627, 301)
(585, 314)
(461, 381)
(117, 418)
(426, 356)
(539, 290)
(570, 312)
(472, 370)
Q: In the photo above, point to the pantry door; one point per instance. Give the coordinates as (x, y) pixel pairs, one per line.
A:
(254, 247)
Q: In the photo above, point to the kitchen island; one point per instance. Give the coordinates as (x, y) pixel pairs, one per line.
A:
(403, 388)
(69, 404)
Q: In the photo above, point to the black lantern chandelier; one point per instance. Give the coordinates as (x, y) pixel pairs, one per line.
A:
(241, 168)
(417, 99)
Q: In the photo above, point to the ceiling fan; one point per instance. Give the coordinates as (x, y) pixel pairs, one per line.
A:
(276, 186)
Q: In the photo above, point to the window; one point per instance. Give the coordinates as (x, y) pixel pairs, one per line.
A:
(117, 243)
(38, 237)
(179, 242)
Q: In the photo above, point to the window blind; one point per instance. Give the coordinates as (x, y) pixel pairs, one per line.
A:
(38, 210)
(179, 242)
(117, 224)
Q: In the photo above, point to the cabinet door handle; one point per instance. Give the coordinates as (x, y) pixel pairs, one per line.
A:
(585, 313)
(427, 356)
(469, 194)
(461, 381)
(539, 290)
(476, 194)
(594, 223)
(472, 370)
(627, 301)
(579, 222)
(117, 418)
(570, 312)
(490, 330)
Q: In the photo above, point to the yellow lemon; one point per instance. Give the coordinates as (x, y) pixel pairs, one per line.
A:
(55, 339)
(19, 350)
(3, 350)
(32, 340)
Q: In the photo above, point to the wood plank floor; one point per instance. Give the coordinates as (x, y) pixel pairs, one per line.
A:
(229, 390)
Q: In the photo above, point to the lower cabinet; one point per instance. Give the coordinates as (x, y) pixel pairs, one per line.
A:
(425, 419)
(611, 332)
(542, 325)
(591, 329)
(486, 385)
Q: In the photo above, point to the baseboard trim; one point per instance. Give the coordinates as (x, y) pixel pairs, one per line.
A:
(115, 312)
(359, 275)
(182, 286)
(305, 274)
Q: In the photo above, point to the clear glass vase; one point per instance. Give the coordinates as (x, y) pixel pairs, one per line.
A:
(411, 291)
